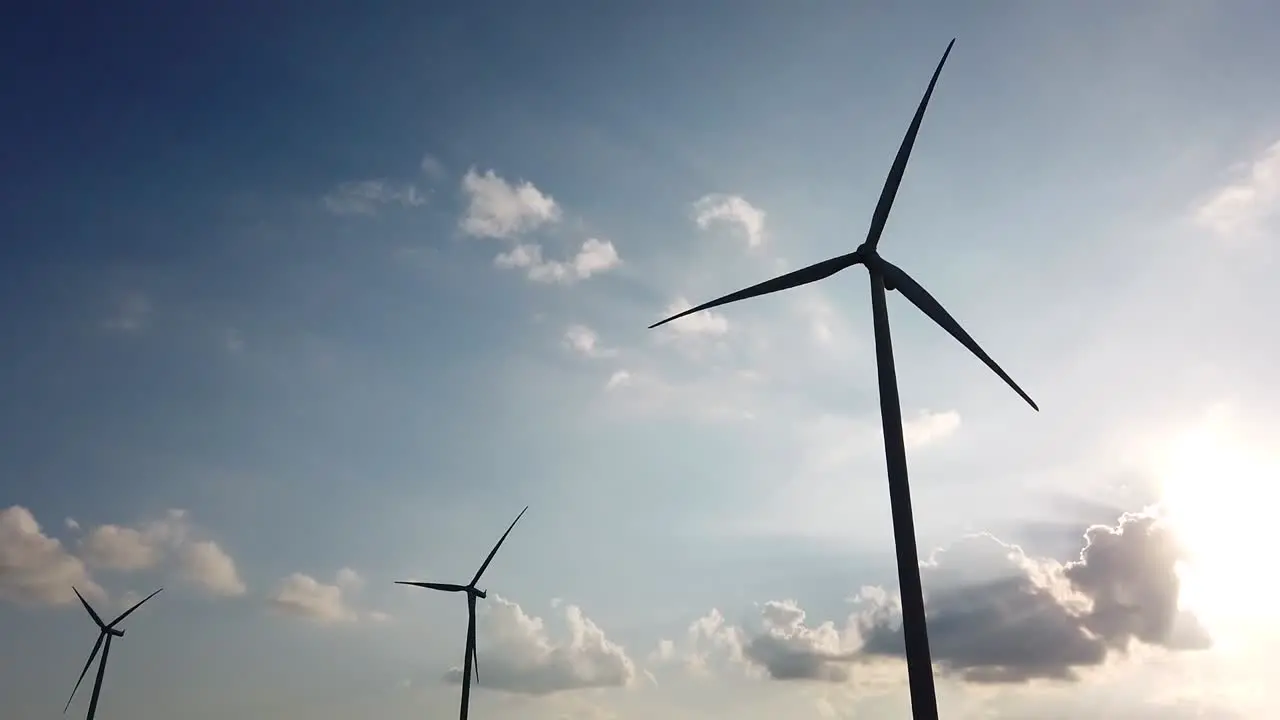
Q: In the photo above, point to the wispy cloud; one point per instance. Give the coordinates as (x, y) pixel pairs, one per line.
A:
(584, 341)
(1239, 209)
(367, 197)
(131, 315)
(734, 211)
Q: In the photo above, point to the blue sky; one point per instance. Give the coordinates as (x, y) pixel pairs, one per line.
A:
(302, 302)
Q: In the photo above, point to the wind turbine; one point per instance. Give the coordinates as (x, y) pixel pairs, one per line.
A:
(105, 632)
(469, 658)
(887, 276)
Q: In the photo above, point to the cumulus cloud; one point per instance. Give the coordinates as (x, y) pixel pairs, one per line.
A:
(200, 564)
(1240, 207)
(996, 615)
(594, 257)
(303, 596)
(1036, 618)
(519, 655)
(619, 378)
(584, 341)
(36, 569)
(499, 209)
(206, 566)
(366, 197)
(734, 211)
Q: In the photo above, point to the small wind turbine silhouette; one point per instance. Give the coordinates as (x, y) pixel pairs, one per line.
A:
(105, 632)
(887, 276)
(469, 658)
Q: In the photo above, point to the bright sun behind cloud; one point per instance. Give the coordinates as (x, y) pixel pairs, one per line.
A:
(1218, 489)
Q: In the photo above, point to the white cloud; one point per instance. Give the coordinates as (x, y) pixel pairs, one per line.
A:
(365, 197)
(584, 341)
(928, 427)
(734, 210)
(618, 379)
(707, 322)
(303, 596)
(595, 256)
(350, 579)
(498, 209)
(206, 566)
(1239, 208)
(200, 564)
(120, 548)
(132, 314)
(35, 568)
(519, 655)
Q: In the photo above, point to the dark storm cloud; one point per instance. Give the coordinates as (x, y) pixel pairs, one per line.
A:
(1040, 619)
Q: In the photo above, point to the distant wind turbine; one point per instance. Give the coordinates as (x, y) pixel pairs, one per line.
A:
(887, 276)
(105, 632)
(469, 658)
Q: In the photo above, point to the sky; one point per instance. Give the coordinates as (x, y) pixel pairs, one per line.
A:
(301, 300)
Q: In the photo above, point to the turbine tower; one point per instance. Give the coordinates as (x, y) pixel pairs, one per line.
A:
(887, 276)
(105, 632)
(469, 661)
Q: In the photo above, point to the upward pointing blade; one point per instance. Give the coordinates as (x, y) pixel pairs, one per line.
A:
(86, 605)
(921, 298)
(96, 646)
(126, 613)
(494, 551)
(891, 183)
(803, 276)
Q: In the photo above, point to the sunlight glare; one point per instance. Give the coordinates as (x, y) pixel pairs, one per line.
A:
(1218, 491)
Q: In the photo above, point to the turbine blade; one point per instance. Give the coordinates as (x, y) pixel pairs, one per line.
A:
(86, 605)
(126, 613)
(891, 183)
(921, 298)
(96, 646)
(445, 587)
(803, 276)
(494, 551)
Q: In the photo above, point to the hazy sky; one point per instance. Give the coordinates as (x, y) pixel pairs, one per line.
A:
(302, 301)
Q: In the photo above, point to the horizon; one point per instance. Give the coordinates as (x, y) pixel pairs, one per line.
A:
(304, 303)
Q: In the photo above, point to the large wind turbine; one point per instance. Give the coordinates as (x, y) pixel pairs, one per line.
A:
(887, 276)
(469, 658)
(105, 632)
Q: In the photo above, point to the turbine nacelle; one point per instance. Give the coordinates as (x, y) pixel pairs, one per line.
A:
(115, 632)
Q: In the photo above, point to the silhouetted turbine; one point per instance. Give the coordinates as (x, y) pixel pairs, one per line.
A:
(887, 276)
(105, 632)
(469, 662)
